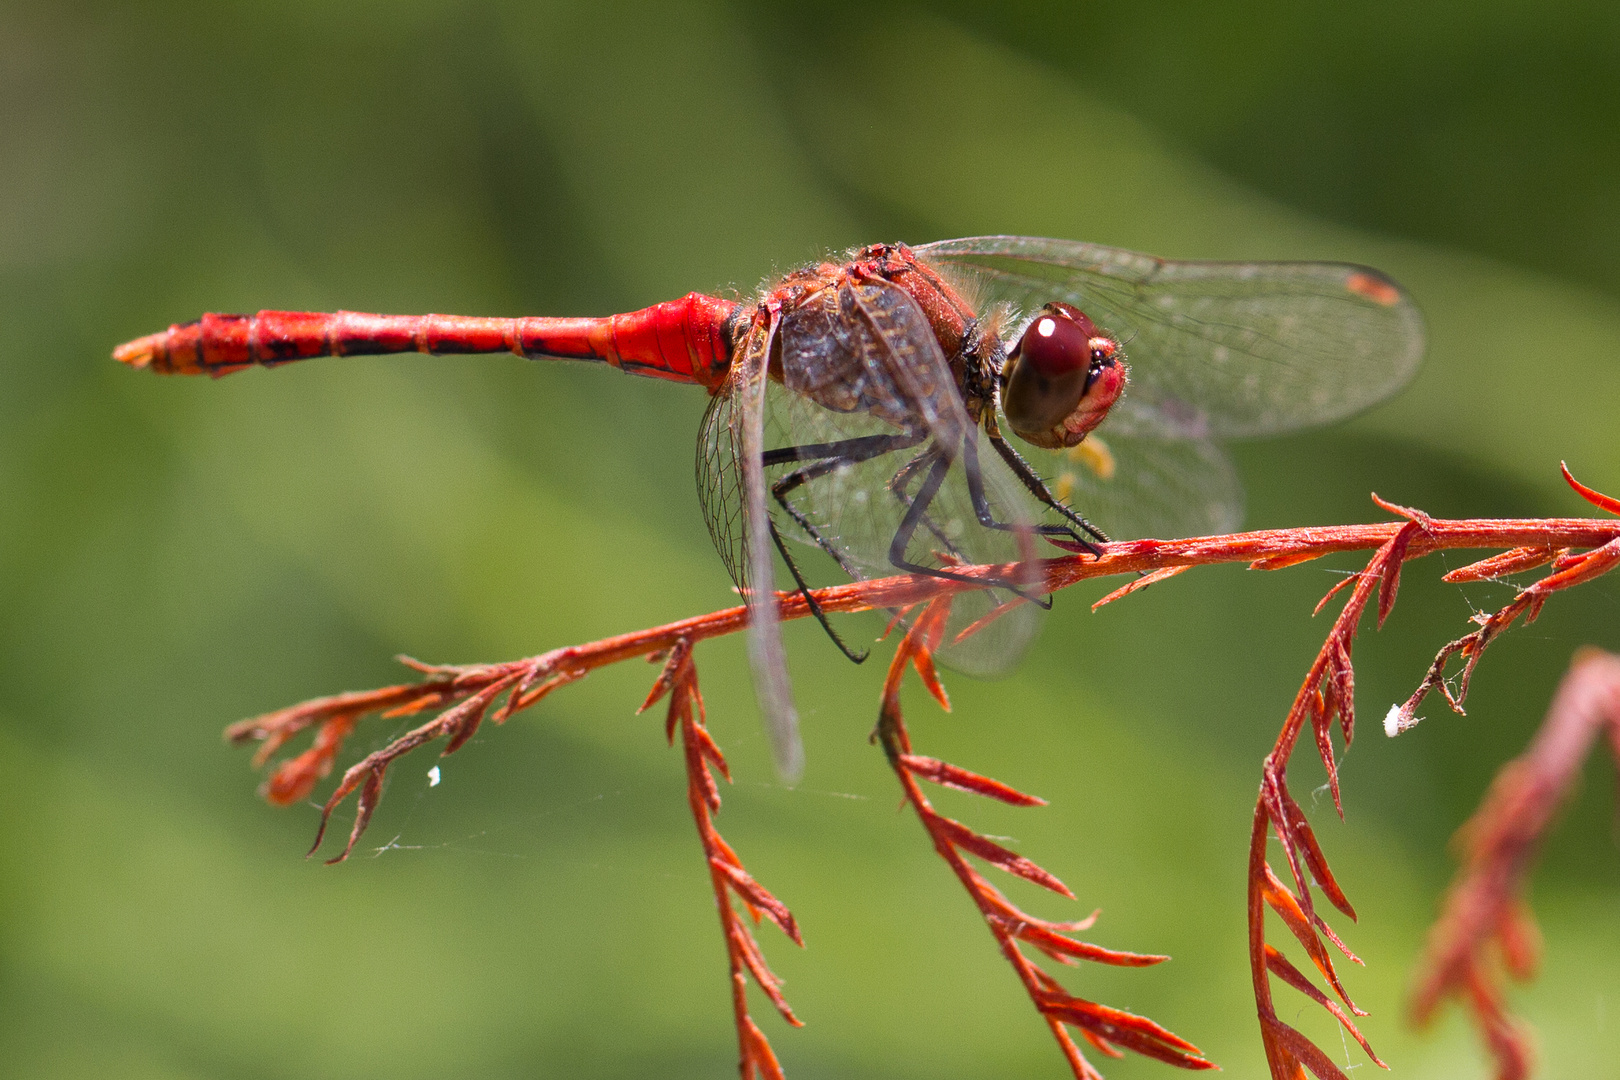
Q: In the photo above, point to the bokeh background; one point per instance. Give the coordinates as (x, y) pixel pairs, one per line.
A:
(178, 554)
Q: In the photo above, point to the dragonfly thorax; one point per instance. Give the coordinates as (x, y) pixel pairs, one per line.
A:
(867, 336)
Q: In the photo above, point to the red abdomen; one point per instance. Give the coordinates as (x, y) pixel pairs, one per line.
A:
(686, 340)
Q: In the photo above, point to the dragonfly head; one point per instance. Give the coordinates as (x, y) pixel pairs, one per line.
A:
(1061, 378)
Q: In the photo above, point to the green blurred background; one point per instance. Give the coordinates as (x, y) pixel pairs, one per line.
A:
(175, 554)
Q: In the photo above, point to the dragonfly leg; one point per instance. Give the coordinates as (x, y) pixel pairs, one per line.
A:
(857, 449)
(981, 503)
(827, 457)
(810, 599)
(917, 514)
(897, 486)
(1037, 487)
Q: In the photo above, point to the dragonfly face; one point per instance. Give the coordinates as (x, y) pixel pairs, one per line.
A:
(1061, 378)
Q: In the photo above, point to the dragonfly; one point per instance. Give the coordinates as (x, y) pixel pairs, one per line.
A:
(859, 407)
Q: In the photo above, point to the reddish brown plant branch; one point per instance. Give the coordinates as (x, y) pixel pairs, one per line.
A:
(755, 1058)
(1568, 570)
(1107, 1029)
(1326, 695)
(535, 677)
(1486, 905)
(467, 694)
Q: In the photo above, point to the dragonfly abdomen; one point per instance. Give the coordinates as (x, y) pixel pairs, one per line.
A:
(685, 340)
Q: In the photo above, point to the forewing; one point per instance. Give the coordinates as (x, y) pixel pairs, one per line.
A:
(1215, 348)
(731, 483)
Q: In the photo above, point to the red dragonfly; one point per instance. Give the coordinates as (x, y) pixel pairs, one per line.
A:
(857, 406)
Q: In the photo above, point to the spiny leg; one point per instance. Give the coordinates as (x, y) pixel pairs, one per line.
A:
(827, 457)
(981, 509)
(897, 487)
(1037, 487)
(916, 512)
(810, 599)
(981, 502)
(855, 449)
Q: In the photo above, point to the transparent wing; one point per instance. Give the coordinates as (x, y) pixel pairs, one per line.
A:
(1132, 486)
(720, 485)
(852, 505)
(731, 486)
(1215, 348)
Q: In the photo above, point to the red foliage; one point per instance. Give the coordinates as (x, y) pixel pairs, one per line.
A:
(1108, 1030)
(1486, 904)
(726, 873)
(1328, 693)
(1499, 841)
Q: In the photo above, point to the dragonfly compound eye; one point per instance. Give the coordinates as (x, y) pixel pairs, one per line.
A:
(1062, 378)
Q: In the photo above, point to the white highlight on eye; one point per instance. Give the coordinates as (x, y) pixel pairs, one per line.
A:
(1046, 327)
(433, 777)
